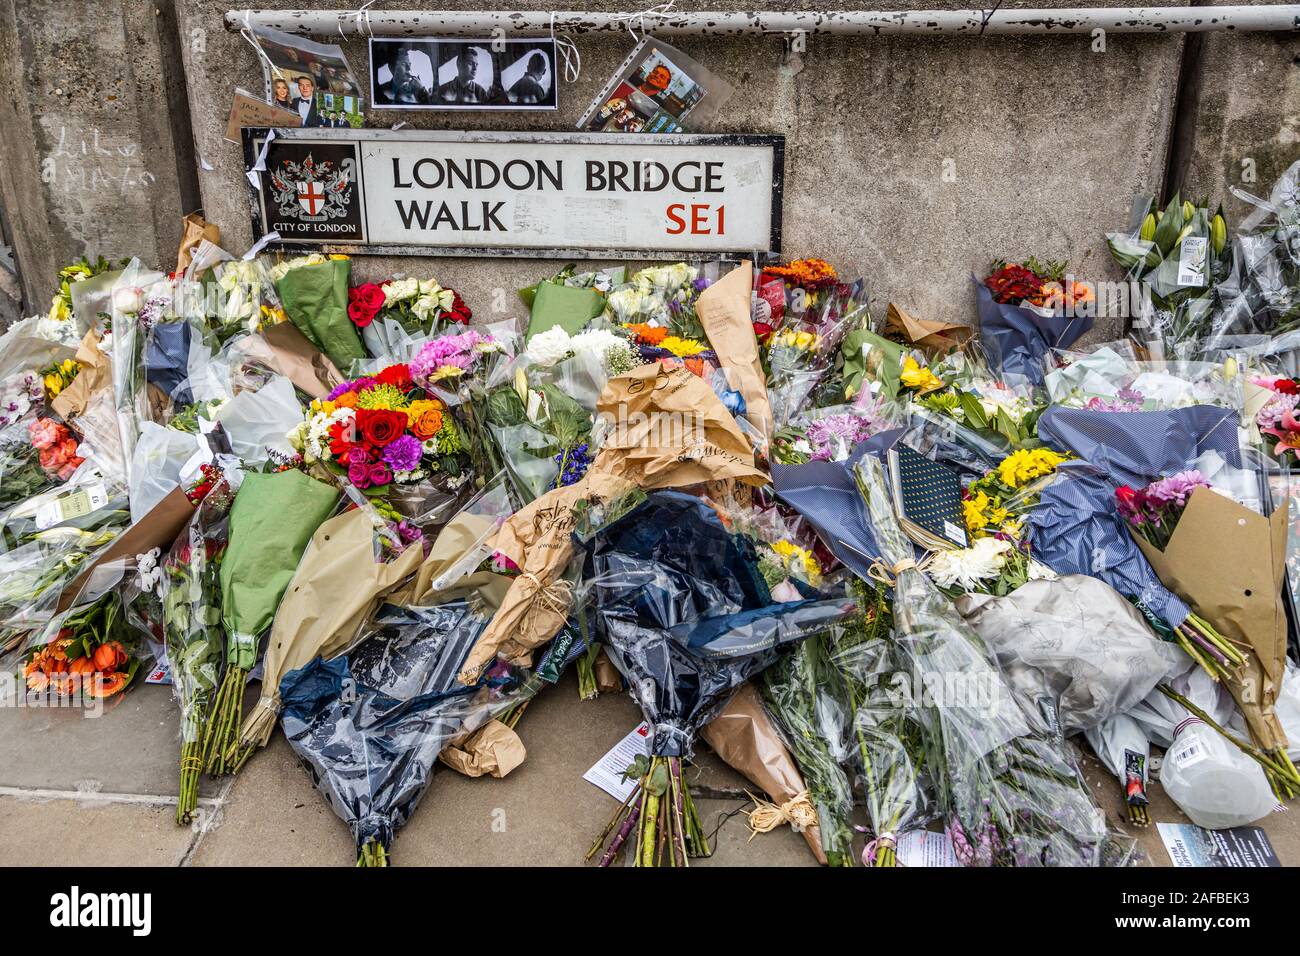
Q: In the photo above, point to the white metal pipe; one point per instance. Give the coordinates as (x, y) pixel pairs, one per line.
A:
(414, 23)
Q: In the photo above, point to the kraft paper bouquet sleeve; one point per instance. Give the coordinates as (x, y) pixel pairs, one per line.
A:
(1228, 563)
(670, 430)
(538, 539)
(292, 354)
(315, 298)
(744, 737)
(724, 311)
(96, 373)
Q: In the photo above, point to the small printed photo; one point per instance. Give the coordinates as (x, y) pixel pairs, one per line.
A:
(339, 111)
(463, 74)
(298, 70)
(626, 111)
(660, 79)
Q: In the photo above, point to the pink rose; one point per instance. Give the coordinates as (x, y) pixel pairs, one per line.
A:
(379, 474)
(359, 474)
(44, 432)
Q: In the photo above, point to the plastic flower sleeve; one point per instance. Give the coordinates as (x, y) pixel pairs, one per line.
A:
(1009, 793)
(686, 617)
(370, 725)
(1018, 341)
(195, 640)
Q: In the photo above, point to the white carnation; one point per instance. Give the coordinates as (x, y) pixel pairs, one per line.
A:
(966, 568)
(547, 348)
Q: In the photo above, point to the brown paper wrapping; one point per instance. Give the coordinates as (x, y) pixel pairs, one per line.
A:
(293, 356)
(494, 749)
(158, 529)
(927, 333)
(742, 734)
(1213, 562)
(670, 430)
(537, 539)
(194, 230)
(96, 373)
(608, 679)
(724, 309)
(336, 587)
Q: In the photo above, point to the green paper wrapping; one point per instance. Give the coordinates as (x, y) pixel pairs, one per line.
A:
(566, 306)
(315, 298)
(271, 521)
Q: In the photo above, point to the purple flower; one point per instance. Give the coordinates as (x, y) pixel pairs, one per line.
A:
(1176, 489)
(458, 351)
(834, 436)
(403, 453)
(408, 532)
(338, 390)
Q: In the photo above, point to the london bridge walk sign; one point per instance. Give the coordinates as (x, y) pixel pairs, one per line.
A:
(550, 195)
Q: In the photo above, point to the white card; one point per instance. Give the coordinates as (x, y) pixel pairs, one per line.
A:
(608, 771)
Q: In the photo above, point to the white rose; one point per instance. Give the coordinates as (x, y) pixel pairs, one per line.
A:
(128, 300)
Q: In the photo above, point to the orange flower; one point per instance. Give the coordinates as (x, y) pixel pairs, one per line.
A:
(647, 334)
(346, 400)
(425, 418)
(804, 272)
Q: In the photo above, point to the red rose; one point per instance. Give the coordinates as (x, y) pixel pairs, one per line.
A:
(460, 312)
(399, 376)
(762, 330)
(354, 294)
(360, 315)
(379, 426)
(1287, 386)
(371, 296)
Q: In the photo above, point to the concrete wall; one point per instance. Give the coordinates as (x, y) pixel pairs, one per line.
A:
(1045, 141)
(911, 161)
(1242, 115)
(95, 157)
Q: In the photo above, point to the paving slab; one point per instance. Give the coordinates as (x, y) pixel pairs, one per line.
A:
(62, 832)
(133, 746)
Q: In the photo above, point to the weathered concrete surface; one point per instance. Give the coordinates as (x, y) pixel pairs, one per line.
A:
(1244, 115)
(911, 161)
(96, 158)
(62, 832)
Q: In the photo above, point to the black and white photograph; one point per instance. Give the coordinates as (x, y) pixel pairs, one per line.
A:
(457, 74)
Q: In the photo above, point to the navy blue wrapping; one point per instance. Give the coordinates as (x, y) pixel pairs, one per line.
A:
(1016, 340)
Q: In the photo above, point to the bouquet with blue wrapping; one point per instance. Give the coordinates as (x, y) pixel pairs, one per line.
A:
(370, 724)
(685, 614)
(1076, 526)
(1028, 310)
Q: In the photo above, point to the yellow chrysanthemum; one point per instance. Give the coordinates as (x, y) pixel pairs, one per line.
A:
(799, 558)
(1022, 467)
(682, 348)
(973, 509)
(914, 376)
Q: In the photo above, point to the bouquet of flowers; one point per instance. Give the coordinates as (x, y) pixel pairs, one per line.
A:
(649, 296)
(382, 431)
(1009, 793)
(992, 565)
(686, 617)
(802, 312)
(79, 271)
(313, 290)
(1026, 311)
(997, 503)
(457, 368)
(371, 724)
(191, 613)
(248, 300)
(831, 433)
(418, 305)
(1178, 254)
(1276, 419)
(34, 457)
(89, 655)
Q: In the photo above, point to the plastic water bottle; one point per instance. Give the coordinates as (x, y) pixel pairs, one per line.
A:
(1212, 781)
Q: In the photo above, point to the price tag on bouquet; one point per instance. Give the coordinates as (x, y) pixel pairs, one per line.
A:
(71, 504)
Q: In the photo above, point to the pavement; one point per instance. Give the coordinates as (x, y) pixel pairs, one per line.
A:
(78, 792)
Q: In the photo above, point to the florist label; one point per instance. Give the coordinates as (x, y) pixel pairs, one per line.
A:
(516, 194)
